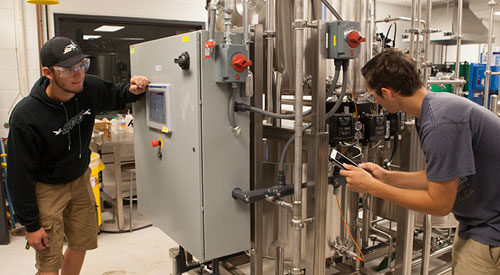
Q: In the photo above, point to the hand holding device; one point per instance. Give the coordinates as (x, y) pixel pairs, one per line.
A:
(338, 159)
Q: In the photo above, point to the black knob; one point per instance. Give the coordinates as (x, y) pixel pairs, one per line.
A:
(183, 61)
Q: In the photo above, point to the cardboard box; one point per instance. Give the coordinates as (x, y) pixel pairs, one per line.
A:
(103, 126)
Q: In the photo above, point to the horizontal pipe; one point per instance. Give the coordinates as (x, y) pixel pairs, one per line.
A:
(392, 19)
(454, 82)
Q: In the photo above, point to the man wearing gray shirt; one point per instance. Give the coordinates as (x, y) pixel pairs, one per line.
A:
(459, 139)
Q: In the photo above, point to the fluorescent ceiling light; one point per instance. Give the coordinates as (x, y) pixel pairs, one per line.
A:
(497, 13)
(90, 37)
(109, 28)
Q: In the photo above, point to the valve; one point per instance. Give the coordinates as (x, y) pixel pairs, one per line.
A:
(354, 39)
(240, 63)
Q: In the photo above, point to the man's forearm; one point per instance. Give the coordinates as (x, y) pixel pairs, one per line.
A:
(412, 180)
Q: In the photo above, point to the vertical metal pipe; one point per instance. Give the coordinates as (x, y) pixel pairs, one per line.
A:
(297, 165)
(257, 155)
(367, 199)
(278, 79)
(426, 250)
(427, 41)
(228, 15)
(371, 11)
(494, 104)
(211, 20)
(456, 88)
(280, 258)
(22, 58)
(412, 27)
(245, 23)
(486, 93)
(270, 30)
(419, 16)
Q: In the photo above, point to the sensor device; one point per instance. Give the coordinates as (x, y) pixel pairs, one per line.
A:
(338, 159)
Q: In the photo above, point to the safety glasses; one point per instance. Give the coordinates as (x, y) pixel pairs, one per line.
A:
(65, 72)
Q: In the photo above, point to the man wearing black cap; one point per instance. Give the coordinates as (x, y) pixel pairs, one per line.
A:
(48, 145)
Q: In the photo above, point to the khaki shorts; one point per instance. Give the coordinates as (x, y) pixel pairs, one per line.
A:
(66, 210)
(470, 257)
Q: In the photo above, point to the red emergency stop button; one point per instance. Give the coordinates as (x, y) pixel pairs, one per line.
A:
(240, 63)
(156, 143)
(354, 39)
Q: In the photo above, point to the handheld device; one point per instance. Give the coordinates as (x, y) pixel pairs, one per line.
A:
(338, 159)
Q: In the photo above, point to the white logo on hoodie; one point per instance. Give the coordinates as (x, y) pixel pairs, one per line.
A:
(72, 123)
(71, 47)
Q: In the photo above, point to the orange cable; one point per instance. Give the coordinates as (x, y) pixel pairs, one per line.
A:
(362, 258)
(355, 105)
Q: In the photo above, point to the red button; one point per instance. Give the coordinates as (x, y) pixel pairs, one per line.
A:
(155, 143)
(240, 63)
(354, 39)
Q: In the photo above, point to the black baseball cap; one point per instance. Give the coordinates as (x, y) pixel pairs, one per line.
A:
(61, 51)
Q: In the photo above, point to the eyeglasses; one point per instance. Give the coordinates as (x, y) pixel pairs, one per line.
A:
(65, 72)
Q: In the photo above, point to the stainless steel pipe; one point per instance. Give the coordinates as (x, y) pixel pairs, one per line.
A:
(228, 15)
(459, 45)
(399, 18)
(494, 104)
(427, 41)
(297, 164)
(270, 30)
(487, 75)
(412, 26)
(449, 81)
(426, 249)
(245, 23)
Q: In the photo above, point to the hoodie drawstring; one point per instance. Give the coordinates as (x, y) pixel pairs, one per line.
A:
(79, 131)
(67, 120)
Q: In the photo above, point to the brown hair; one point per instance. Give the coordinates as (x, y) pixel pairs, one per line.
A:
(392, 69)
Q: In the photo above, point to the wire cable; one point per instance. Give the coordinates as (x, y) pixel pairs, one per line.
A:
(285, 149)
(332, 111)
(362, 258)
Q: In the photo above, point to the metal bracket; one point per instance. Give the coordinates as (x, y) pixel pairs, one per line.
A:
(414, 31)
(269, 34)
(296, 223)
(430, 30)
(300, 24)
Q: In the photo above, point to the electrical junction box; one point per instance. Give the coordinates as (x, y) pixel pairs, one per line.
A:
(187, 192)
(344, 39)
(231, 63)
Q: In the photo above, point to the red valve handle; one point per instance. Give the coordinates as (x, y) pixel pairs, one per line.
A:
(240, 63)
(354, 39)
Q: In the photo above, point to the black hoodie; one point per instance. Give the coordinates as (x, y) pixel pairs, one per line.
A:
(49, 140)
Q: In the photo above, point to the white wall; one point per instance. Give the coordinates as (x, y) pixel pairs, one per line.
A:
(9, 86)
(188, 10)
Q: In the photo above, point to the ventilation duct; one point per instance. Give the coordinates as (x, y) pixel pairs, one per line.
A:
(444, 17)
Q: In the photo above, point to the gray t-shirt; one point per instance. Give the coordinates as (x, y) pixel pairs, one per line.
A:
(461, 139)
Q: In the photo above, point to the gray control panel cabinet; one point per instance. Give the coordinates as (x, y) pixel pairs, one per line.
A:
(338, 48)
(187, 193)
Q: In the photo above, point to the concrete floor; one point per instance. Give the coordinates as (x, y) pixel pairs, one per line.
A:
(144, 251)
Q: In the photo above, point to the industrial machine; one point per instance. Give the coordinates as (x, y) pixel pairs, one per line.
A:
(233, 140)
